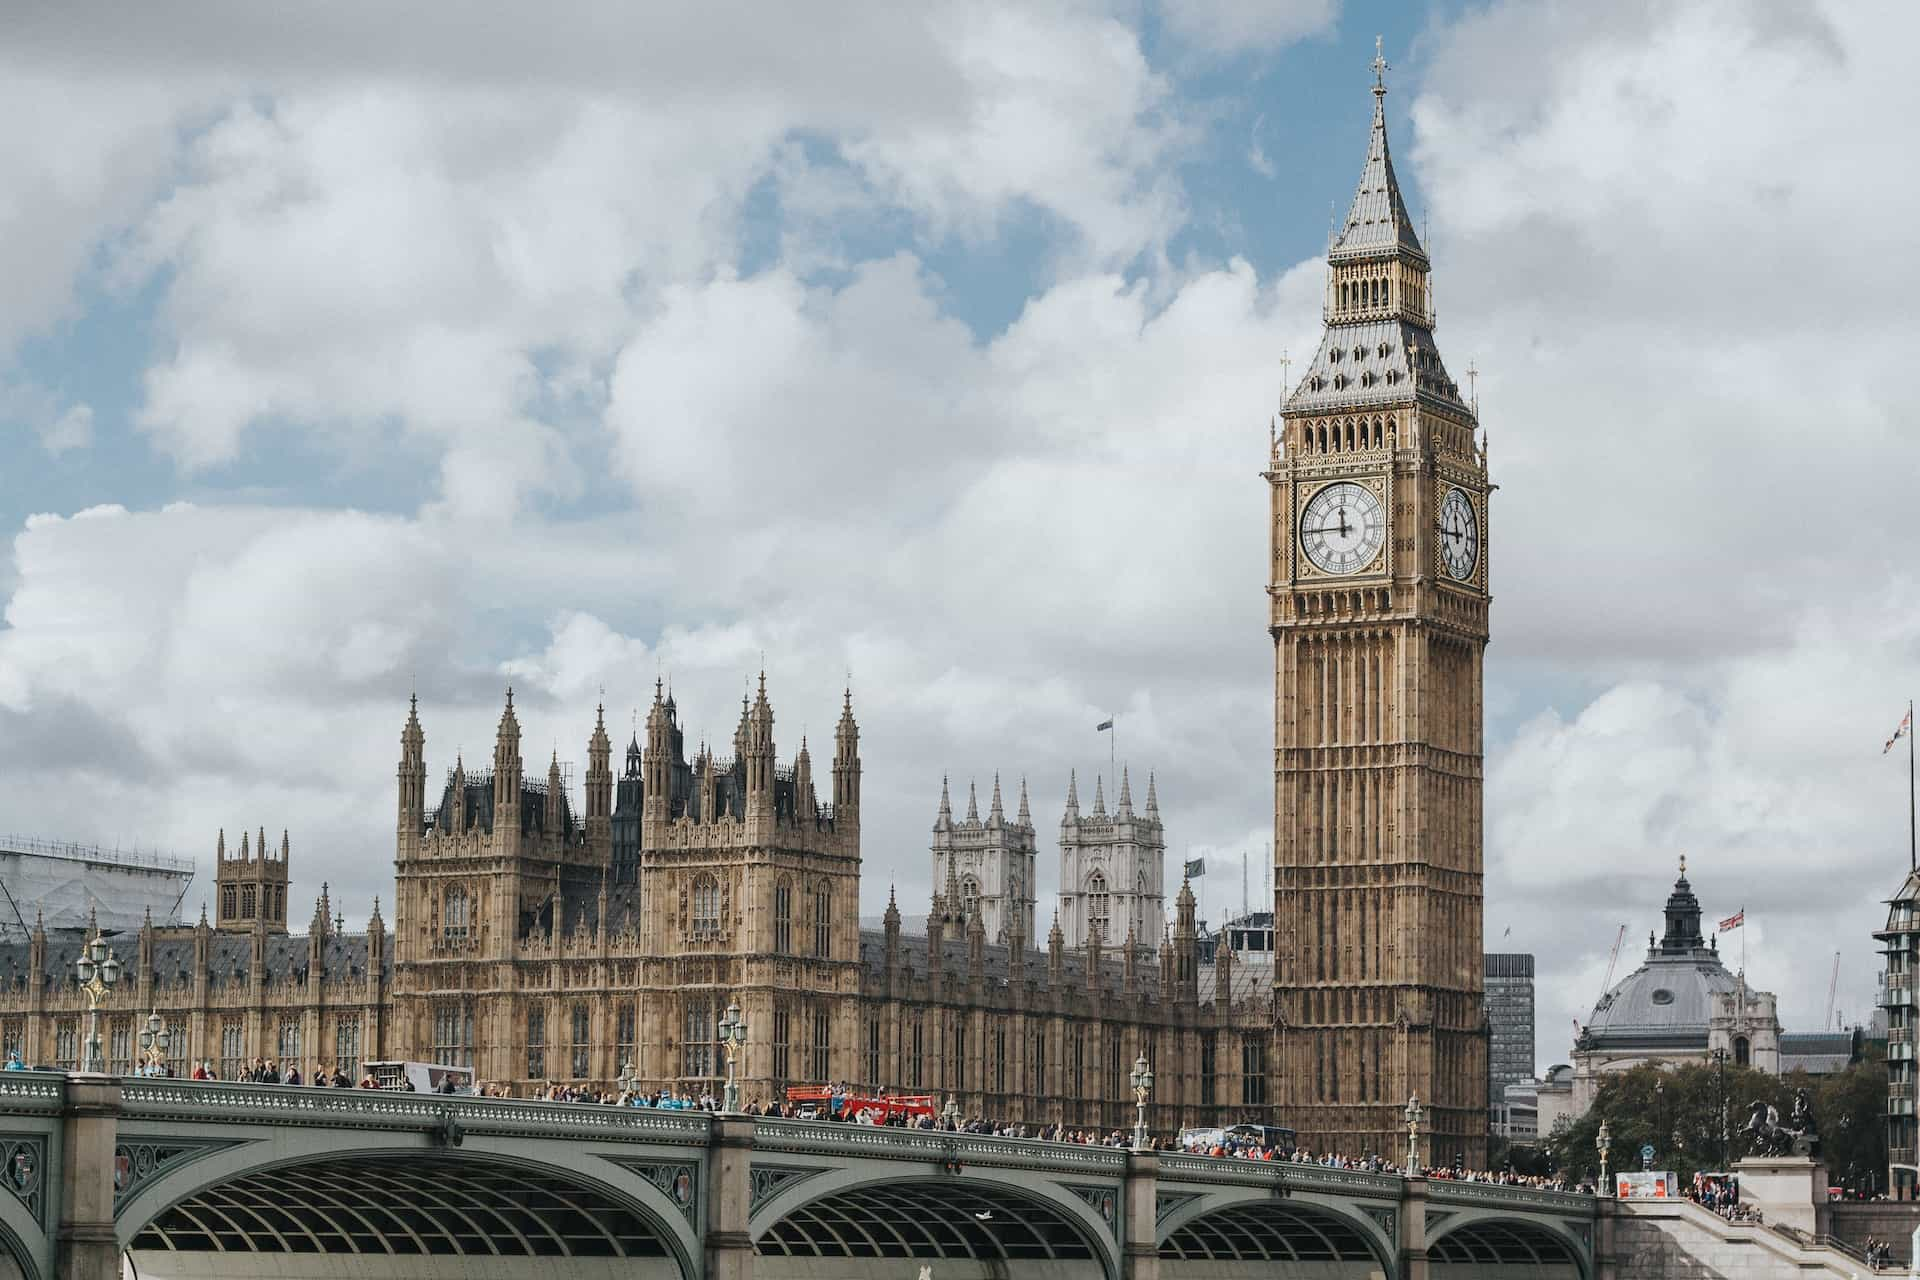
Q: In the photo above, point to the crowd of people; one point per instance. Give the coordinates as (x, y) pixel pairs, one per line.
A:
(1721, 1194)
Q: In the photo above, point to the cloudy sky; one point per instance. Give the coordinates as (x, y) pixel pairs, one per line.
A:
(443, 348)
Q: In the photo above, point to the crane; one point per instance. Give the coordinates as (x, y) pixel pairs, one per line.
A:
(1833, 985)
(1613, 958)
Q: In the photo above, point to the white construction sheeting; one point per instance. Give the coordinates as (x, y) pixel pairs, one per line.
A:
(63, 882)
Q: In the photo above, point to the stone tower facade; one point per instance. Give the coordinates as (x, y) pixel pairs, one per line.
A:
(1379, 620)
(1113, 870)
(990, 864)
(250, 887)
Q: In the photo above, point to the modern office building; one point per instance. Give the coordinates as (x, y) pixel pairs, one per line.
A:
(1510, 1016)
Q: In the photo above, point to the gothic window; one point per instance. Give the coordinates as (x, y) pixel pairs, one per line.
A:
(536, 1043)
(1000, 1056)
(917, 1058)
(247, 902)
(229, 901)
(1742, 1051)
(582, 1042)
(706, 907)
(782, 1044)
(823, 919)
(13, 1038)
(1117, 1064)
(453, 1034)
(623, 1034)
(233, 1050)
(66, 1044)
(783, 916)
(289, 1042)
(1209, 1067)
(702, 1032)
(970, 895)
(1097, 907)
(873, 1051)
(346, 1045)
(1037, 1078)
(454, 921)
(120, 1046)
(820, 1066)
(1077, 1062)
(1253, 1071)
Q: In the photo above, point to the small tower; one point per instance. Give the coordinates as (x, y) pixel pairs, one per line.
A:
(990, 864)
(600, 787)
(250, 887)
(846, 768)
(1112, 867)
(412, 821)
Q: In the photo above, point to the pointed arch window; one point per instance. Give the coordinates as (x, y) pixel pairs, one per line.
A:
(970, 895)
(783, 916)
(582, 1041)
(455, 925)
(248, 901)
(823, 920)
(1097, 907)
(705, 918)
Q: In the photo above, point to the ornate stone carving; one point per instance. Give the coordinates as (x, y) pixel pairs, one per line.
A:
(769, 1180)
(23, 1171)
(1169, 1202)
(1102, 1200)
(137, 1163)
(680, 1182)
(1386, 1219)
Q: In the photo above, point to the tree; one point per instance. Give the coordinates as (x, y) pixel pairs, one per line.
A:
(1677, 1110)
(1850, 1110)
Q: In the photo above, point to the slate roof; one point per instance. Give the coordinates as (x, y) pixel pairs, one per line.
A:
(1377, 221)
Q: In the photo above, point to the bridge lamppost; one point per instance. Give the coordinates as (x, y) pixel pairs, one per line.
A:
(1142, 1081)
(98, 969)
(1413, 1114)
(155, 1040)
(1603, 1143)
(733, 1034)
(1719, 1057)
(951, 1112)
(628, 1081)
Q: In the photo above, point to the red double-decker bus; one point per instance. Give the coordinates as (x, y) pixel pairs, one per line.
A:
(821, 1102)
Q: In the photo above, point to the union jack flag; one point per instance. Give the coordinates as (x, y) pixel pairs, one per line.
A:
(1734, 921)
(1906, 727)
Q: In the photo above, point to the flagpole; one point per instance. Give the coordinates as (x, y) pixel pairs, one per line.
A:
(1913, 849)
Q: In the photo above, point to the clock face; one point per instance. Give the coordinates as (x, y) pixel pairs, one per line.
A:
(1459, 535)
(1343, 528)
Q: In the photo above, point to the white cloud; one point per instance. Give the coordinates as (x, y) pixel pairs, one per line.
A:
(1227, 26)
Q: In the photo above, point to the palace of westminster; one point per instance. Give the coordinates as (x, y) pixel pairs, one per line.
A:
(538, 940)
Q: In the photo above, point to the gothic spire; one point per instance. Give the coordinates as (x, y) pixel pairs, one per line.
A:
(1377, 222)
(944, 819)
(1153, 800)
(1099, 796)
(1073, 795)
(1025, 817)
(1126, 794)
(973, 803)
(995, 814)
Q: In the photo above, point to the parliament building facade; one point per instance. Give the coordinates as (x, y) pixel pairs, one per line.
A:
(539, 943)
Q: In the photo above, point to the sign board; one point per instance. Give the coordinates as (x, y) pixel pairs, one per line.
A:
(1646, 1151)
(1646, 1186)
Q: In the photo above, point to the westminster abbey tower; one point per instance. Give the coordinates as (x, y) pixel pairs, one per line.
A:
(1379, 619)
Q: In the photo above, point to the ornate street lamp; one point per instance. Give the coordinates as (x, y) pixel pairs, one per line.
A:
(1413, 1114)
(1719, 1057)
(951, 1112)
(1603, 1143)
(733, 1034)
(98, 969)
(629, 1082)
(155, 1040)
(1142, 1081)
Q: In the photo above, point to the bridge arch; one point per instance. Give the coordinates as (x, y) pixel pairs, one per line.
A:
(17, 1228)
(396, 1210)
(1496, 1245)
(990, 1221)
(1247, 1231)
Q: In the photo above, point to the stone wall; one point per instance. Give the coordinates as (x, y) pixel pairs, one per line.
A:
(1681, 1241)
(1889, 1220)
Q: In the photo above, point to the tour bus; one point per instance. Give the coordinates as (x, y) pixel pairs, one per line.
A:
(819, 1102)
(1281, 1141)
(421, 1077)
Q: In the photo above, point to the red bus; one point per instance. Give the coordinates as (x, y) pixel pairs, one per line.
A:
(819, 1102)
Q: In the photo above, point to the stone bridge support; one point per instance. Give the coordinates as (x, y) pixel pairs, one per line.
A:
(1140, 1251)
(729, 1243)
(87, 1247)
(1413, 1230)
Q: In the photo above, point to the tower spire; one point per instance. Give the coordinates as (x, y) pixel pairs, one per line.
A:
(1073, 795)
(996, 815)
(944, 818)
(973, 803)
(1025, 816)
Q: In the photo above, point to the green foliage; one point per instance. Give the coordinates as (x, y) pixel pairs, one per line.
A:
(1678, 1111)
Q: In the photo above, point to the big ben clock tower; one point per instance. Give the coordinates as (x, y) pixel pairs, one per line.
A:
(1379, 619)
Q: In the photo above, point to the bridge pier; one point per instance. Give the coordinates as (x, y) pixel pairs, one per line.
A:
(1140, 1251)
(728, 1253)
(1413, 1229)
(87, 1247)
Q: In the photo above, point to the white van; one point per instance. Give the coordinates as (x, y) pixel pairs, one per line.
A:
(422, 1077)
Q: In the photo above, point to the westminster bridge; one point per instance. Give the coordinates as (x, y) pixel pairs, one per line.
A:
(159, 1179)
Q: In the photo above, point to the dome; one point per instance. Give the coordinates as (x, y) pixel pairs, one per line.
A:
(1668, 1000)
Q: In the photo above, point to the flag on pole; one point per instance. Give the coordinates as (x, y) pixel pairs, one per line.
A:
(1196, 868)
(1103, 726)
(1905, 728)
(1734, 921)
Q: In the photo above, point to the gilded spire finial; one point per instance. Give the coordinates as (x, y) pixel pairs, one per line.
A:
(1380, 68)
(1683, 864)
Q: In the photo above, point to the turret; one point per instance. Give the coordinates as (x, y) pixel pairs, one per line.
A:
(412, 777)
(973, 805)
(556, 817)
(659, 760)
(1073, 798)
(943, 820)
(996, 816)
(506, 779)
(976, 948)
(1126, 796)
(759, 756)
(600, 786)
(1153, 801)
(1024, 819)
(846, 766)
(1056, 952)
(806, 805)
(1099, 796)
(1186, 940)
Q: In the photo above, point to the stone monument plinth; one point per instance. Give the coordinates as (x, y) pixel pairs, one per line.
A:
(1788, 1190)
